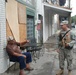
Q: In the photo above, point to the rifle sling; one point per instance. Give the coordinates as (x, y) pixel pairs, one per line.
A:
(65, 34)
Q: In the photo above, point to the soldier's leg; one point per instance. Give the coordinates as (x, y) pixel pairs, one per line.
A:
(61, 63)
(69, 62)
(61, 60)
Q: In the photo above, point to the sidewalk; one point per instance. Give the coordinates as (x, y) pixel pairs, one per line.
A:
(48, 64)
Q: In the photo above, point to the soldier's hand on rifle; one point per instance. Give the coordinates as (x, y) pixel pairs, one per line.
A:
(66, 45)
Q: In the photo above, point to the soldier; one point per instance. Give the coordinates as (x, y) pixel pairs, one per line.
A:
(66, 43)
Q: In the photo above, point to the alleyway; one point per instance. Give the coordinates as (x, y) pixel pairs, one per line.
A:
(48, 63)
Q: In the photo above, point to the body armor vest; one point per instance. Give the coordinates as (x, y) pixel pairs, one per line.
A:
(66, 39)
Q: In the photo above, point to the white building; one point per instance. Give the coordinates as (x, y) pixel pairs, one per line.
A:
(3, 56)
(49, 9)
(15, 23)
(46, 23)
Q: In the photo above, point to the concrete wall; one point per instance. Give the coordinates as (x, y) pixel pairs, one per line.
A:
(50, 25)
(47, 20)
(39, 7)
(46, 27)
(38, 11)
(3, 55)
(50, 22)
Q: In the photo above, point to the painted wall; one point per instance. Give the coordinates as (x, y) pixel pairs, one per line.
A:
(39, 11)
(50, 25)
(46, 23)
(39, 7)
(3, 55)
(46, 20)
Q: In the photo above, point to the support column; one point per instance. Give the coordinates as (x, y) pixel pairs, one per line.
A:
(69, 19)
(43, 23)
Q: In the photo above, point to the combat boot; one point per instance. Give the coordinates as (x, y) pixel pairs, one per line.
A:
(60, 72)
(69, 73)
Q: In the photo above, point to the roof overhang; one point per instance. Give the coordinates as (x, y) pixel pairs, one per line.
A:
(56, 9)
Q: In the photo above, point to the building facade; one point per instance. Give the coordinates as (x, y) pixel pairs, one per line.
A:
(17, 19)
(3, 55)
(24, 19)
(53, 12)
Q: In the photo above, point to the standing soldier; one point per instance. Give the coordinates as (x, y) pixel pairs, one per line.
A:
(66, 43)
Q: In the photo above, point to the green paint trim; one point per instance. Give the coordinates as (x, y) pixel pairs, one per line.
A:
(31, 13)
(23, 2)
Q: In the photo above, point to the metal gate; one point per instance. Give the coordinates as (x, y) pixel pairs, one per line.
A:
(30, 27)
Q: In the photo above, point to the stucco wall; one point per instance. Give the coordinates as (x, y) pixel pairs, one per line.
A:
(46, 23)
(3, 55)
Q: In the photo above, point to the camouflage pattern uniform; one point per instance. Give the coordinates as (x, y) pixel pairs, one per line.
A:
(66, 53)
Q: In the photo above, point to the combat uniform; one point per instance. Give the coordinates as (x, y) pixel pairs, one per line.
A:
(66, 53)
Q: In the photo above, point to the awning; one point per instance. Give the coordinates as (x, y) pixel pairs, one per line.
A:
(57, 9)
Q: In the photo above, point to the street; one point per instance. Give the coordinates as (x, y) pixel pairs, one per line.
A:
(47, 64)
